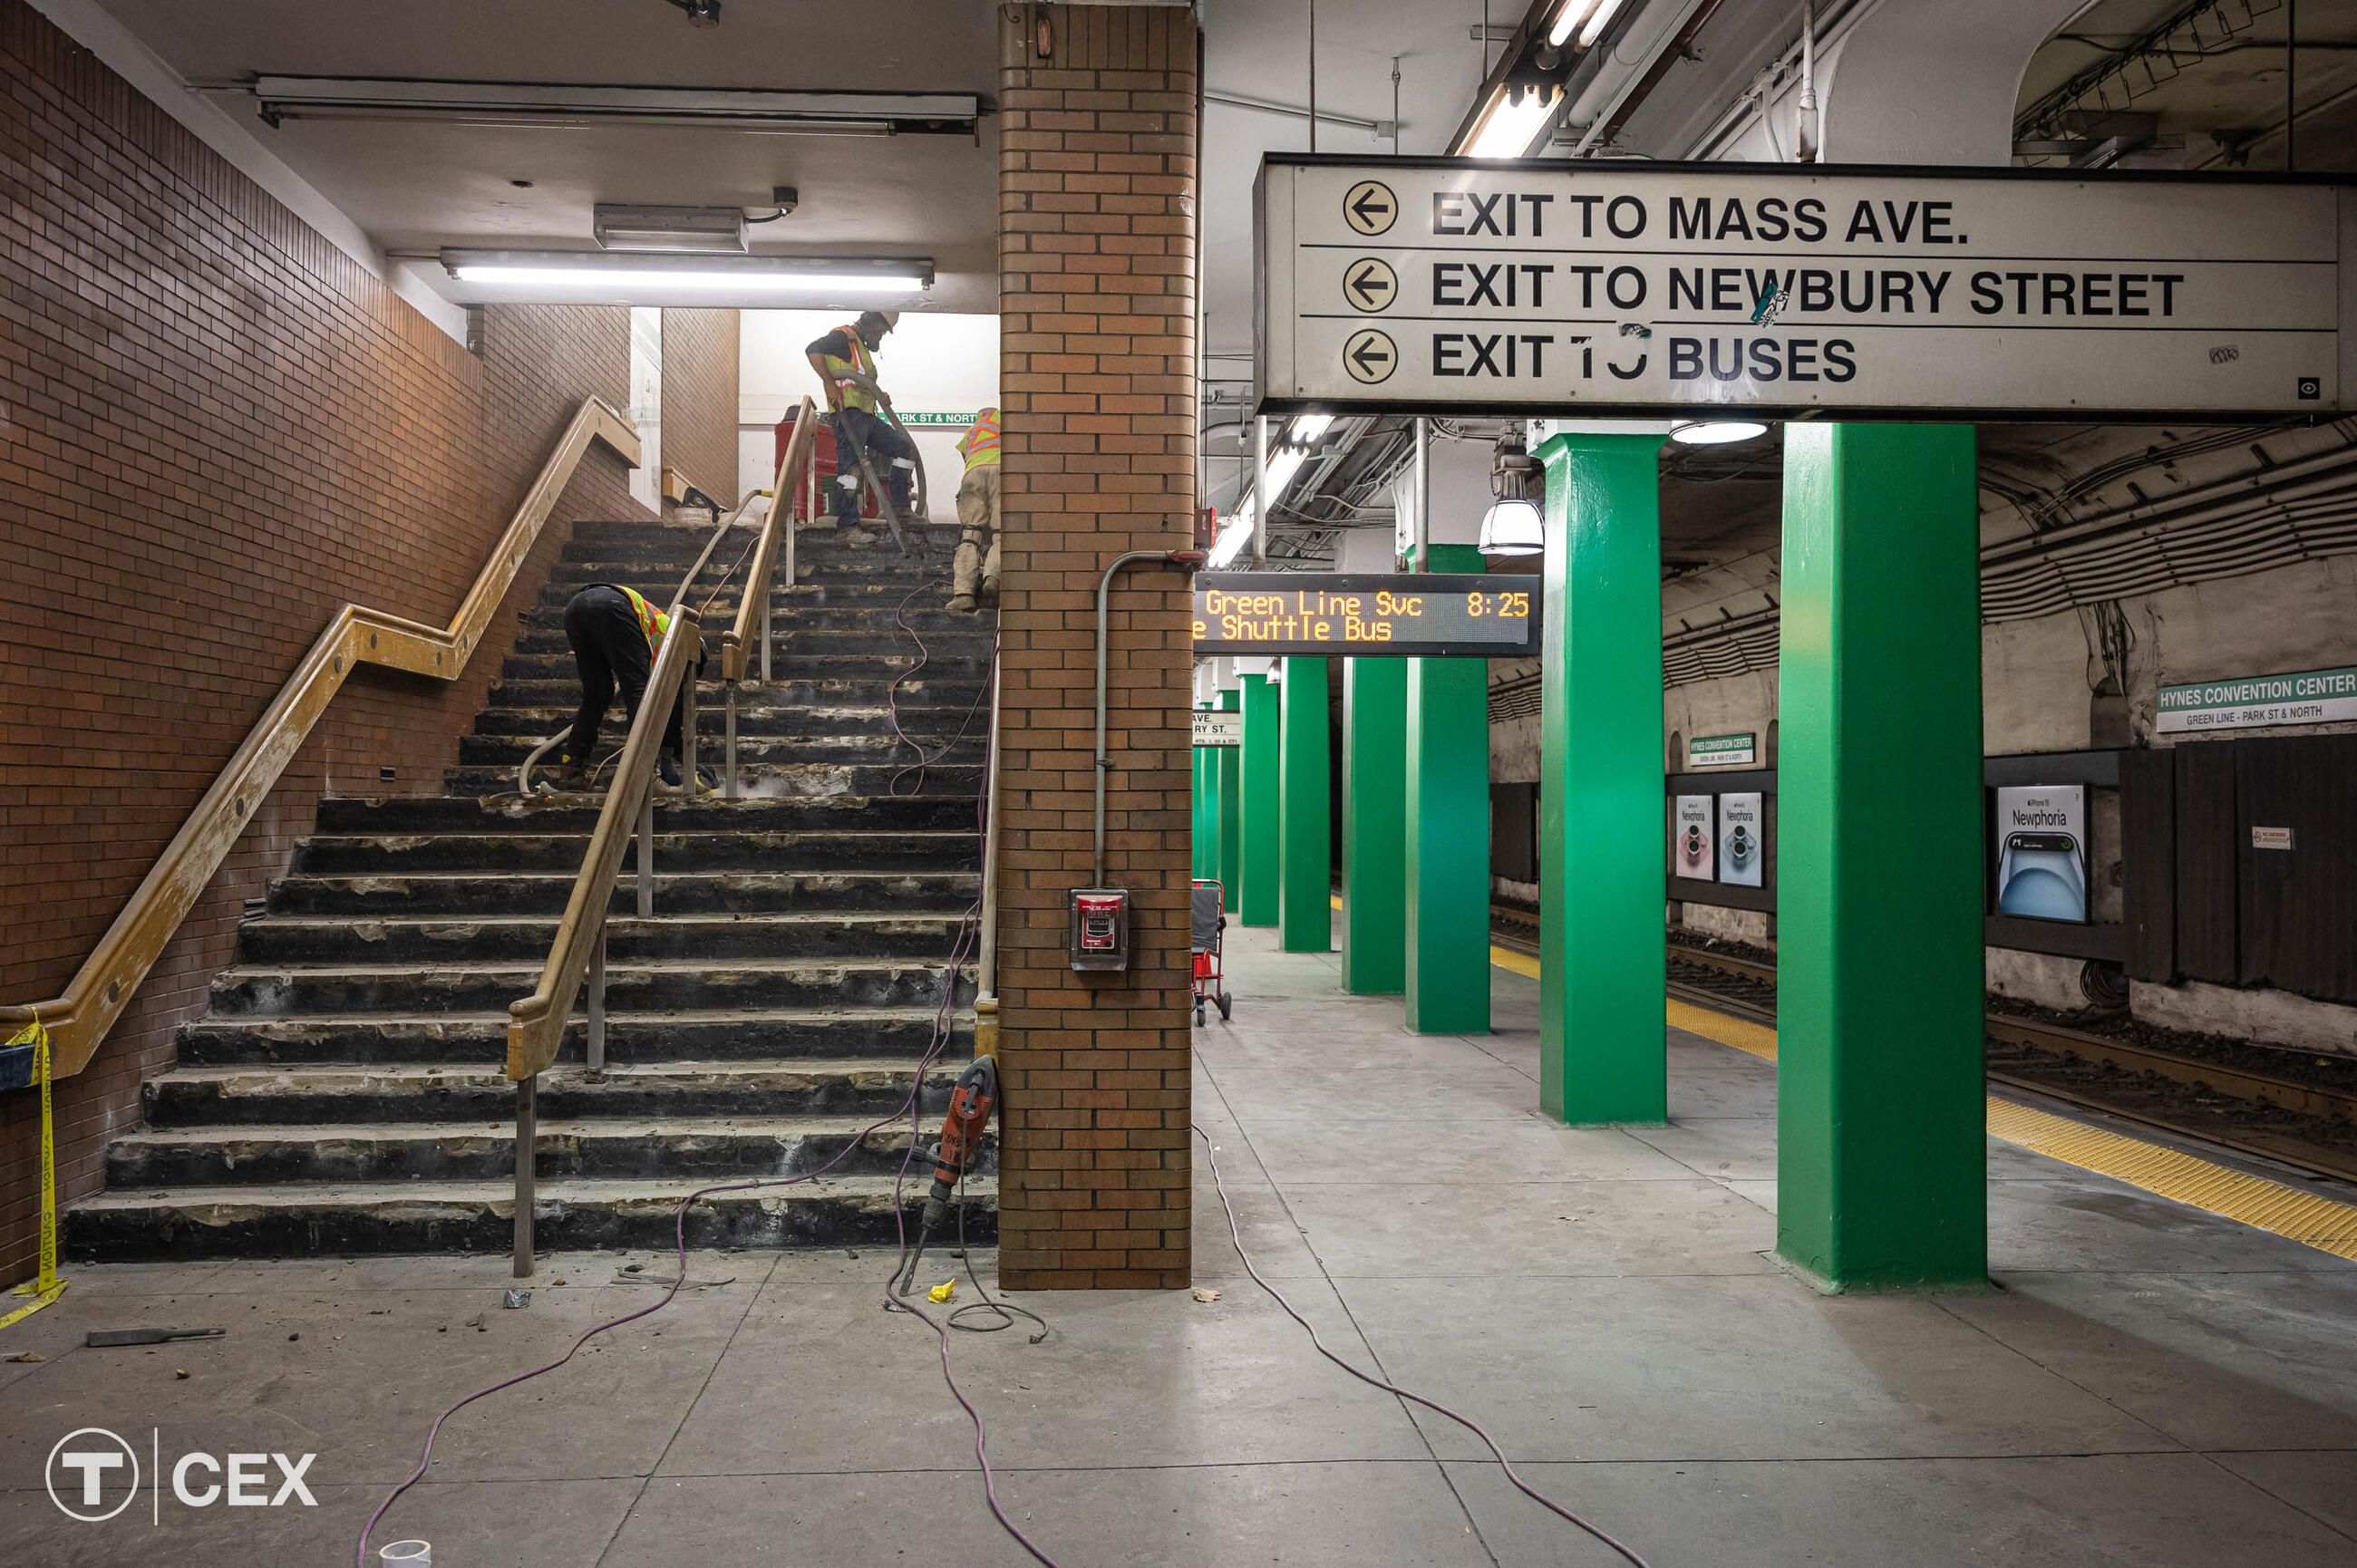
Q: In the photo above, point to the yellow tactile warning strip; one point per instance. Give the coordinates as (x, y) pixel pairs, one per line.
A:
(2302, 1216)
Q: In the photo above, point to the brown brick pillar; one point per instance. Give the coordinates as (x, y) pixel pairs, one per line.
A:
(1096, 184)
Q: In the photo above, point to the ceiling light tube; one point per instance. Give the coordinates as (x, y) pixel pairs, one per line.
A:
(1599, 19)
(1306, 428)
(700, 273)
(1514, 120)
(1574, 12)
(511, 103)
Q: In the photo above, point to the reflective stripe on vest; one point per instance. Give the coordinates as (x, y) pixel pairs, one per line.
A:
(848, 393)
(653, 622)
(981, 443)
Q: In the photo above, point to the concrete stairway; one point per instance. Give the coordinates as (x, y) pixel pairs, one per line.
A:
(345, 1092)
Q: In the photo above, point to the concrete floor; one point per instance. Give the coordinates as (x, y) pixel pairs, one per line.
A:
(2148, 1386)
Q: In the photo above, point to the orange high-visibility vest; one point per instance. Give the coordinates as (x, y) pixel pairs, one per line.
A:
(980, 445)
(851, 394)
(652, 621)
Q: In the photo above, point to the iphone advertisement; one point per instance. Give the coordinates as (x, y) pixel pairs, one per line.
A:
(1742, 841)
(2042, 852)
(1691, 852)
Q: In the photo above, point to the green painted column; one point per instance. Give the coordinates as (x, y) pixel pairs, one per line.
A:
(1374, 826)
(1602, 848)
(1306, 809)
(1204, 843)
(1256, 903)
(1447, 932)
(1881, 1151)
(1228, 762)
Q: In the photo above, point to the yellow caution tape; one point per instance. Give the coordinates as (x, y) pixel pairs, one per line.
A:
(48, 1285)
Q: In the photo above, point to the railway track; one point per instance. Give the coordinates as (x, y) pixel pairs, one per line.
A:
(2249, 1111)
(2252, 1112)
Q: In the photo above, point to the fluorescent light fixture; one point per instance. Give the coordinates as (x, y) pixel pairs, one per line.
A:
(1306, 428)
(1283, 464)
(1516, 117)
(716, 230)
(1599, 15)
(1233, 537)
(1512, 527)
(553, 103)
(1716, 432)
(1566, 20)
(587, 270)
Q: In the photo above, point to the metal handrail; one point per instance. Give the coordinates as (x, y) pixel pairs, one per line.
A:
(102, 987)
(753, 602)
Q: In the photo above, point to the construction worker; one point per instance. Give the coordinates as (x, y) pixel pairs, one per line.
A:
(977, 504)
(615, 635)
(846, 363)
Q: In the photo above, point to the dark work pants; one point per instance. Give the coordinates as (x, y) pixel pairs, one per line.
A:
(610, 650)
(884, 442)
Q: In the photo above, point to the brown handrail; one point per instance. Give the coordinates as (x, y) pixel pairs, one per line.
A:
(754, 596)
(102, 987)
(536, 1023)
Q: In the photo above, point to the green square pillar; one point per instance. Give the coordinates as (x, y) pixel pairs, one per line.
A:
(1256, 903)
(1447, 807)
(1305, 810)
(1228, 763)
(1602, 1050)
(1374, 826)
(1881, 1151)
(1204, 843)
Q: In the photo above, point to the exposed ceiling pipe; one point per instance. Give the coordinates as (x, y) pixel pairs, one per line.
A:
(1673, 49)
(1804, 129)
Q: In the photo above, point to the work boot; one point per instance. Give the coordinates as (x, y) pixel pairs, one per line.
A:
(853, 537)
(990, 592)
(962, 603)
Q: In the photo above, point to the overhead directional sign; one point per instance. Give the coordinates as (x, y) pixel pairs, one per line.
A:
(1408, 615)
(1218, 727)
(1430, 285)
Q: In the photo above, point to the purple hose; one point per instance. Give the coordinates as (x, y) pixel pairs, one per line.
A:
(1466, 1422)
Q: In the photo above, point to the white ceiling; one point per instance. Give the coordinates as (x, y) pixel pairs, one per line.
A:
(416, 185)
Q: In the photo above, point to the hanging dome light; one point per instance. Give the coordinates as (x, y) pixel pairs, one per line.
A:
(1715, 432)
(1512, 527)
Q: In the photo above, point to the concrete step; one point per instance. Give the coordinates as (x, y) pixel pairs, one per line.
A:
(681, 893)
(969, 665)
(766, 721)
(822, 607)
(951, 780)
(886, 750)
(478, 1091)
(724, 1034)
(840, 935)
(872, 633)
(325, 854)
(576, 813)
(643, 987)
(306, 1220)
(592, 1148)
(561, 689)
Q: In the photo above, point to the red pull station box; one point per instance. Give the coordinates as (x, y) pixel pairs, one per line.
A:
(1100, 928)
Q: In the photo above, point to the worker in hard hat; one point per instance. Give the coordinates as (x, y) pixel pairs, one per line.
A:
(974, 576)
(615, 634)
(846, 363)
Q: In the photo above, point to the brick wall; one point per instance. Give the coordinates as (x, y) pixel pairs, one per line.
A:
(1097, 262)
(217, 428)
(699, 399)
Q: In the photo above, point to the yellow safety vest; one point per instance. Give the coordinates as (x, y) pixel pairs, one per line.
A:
(981, 443)
(652, 621)
(851, 394)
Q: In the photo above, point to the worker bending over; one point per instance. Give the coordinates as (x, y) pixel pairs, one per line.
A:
(975, 571)
(615, 635)
(846, 363)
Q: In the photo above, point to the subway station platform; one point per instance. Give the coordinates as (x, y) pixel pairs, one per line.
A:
(2146, 1383)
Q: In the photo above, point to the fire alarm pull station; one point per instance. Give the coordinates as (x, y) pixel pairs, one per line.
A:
(1100, 928)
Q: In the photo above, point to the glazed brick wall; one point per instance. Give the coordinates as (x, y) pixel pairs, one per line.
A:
(217, 427)
(699, 399)
(1097, 188)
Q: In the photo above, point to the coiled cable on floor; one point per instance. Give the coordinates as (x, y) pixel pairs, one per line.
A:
(1466, 1422)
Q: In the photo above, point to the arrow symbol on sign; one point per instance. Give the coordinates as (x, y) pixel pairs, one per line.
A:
(1367, 356)
(1369, 284)
(1367, 209)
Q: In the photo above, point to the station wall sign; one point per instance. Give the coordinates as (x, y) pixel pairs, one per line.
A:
(1440, 285)
(1218, 727)
(1405, 614)
(2256, 702)
(1723, 750)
